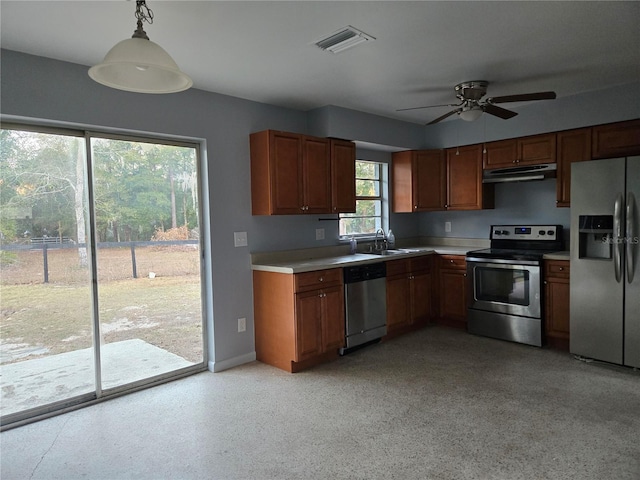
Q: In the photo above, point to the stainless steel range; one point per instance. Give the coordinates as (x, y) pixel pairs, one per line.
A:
(505, 299)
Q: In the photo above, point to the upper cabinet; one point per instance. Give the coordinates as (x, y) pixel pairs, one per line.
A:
(616, 139)
(419, 181)
(292, 174)
(465, 190)
(343, 176)
(532, 150)
(572, 146)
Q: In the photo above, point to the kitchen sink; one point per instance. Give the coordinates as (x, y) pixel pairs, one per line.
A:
(390, 252)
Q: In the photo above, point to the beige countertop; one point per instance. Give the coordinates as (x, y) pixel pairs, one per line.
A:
(565, 255)
(280, 262)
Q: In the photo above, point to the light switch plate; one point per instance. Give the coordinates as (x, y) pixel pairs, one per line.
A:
(240, 239)
(319, 233)
(447, 227)
(242, 325)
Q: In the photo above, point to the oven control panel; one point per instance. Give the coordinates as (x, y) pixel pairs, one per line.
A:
(524, 232)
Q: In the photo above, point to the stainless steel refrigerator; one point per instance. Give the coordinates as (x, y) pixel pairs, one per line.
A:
(605, 281)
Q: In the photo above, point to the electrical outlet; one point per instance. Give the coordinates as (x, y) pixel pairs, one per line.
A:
(242, 325)
(447, 227)
(240, 239)
(319, 233)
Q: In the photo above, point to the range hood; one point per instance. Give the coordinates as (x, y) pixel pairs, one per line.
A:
(520, 174)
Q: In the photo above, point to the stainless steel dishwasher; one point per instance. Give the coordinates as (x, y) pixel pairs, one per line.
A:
(365, 293)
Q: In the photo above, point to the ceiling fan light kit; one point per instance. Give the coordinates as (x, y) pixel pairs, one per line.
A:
(471, 107)
(139, 65)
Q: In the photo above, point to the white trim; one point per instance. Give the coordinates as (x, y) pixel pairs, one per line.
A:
(231, 362)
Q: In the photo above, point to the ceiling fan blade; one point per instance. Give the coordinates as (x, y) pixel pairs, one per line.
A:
(525, 97)
(457, 110)
(498, 111)
(429, 106)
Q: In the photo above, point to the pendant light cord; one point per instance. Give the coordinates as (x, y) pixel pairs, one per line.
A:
(143, 13)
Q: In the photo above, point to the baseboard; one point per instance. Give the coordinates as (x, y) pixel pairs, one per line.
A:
(231, 362)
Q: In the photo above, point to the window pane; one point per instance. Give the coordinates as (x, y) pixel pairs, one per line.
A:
(46, 317)
(367, 188)
(367, 170)
(148, 258)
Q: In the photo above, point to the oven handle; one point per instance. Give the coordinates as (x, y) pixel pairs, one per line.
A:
(489, 261)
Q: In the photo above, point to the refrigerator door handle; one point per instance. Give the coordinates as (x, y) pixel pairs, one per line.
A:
(617, 238)
(632, 236)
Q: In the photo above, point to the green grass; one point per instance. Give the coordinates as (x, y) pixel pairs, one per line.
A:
(164, 311)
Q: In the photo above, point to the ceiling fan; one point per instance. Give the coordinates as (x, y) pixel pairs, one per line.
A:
(471, 107)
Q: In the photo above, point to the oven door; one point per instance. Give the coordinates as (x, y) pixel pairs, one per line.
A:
(505, 286)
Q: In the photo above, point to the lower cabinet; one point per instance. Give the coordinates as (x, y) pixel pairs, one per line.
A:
(452, 290)
(409, 293)
(299, 318)
(556, 290)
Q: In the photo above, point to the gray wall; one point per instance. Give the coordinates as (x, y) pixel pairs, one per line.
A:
(37, 88)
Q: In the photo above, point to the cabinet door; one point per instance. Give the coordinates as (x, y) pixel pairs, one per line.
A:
(308, 325)
(316, 175)
(420, 297)
(616, 140)
(397, 301)
(464, 178)
(453, 297)
(572, 146)
(286, 172)
(429, 185)
(333, 318)
(500, 154)
(537, 149)
(557, 308)
(343, 176)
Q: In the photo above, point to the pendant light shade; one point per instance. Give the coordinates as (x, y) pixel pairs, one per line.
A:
(139, 65)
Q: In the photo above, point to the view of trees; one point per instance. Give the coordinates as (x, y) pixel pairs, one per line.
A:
(139, 188)
(367, 218)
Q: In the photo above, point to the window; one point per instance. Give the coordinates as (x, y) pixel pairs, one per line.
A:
(371, 201)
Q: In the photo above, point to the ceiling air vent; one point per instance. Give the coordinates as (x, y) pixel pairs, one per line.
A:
(344, 38)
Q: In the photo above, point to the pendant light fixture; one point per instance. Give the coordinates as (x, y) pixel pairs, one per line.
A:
(140, 65)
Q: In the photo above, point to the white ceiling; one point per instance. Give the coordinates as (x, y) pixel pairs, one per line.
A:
(264, 51)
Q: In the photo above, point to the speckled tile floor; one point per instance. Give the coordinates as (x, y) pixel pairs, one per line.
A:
(436, 404)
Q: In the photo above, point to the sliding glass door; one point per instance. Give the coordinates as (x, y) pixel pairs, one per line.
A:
(101, 260)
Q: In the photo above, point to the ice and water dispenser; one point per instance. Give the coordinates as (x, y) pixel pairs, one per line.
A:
(595, 236)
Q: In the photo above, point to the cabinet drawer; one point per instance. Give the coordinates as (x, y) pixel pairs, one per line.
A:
(557, 268)
(318, 279)
(456, 262)
(397, 267)
(421, 264)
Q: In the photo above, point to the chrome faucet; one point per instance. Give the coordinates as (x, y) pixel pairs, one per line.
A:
(384, 240)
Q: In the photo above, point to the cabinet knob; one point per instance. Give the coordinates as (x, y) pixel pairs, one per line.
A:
(321, 279)
(545, 282)
(451, 261)
(561, 268)
(464, 275)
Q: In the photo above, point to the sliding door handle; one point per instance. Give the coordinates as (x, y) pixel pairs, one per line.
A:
(632, 237)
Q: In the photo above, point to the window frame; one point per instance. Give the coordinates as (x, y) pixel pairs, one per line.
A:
(383, 197)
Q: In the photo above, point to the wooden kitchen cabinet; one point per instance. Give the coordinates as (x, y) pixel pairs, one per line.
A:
(299, 318)
(465, 190)
(343, 176)
(290, 173)
(419, 181)
(409, 294)
(556, 303)
(572, 146)
(532, 150)
(452, 290)
(619, 139)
